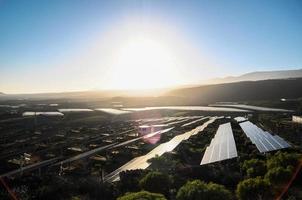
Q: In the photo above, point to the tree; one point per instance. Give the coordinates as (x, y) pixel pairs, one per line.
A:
(283, 159)
(57, 188)
(142, 195)
(163, 163)
(156, 182)
(129, 180)
(254, 168)
(94, 189)
(279, 175)
(196, 190)
(253, 188)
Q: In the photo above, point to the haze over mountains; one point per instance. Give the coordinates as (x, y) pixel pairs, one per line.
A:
(242, 91)
(256, 76)
(251, 86)
(255, 86)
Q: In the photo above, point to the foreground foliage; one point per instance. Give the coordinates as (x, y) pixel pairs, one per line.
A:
(156, 182)
(142, 195)
(254, 168)
(253, 188)
(195, 190)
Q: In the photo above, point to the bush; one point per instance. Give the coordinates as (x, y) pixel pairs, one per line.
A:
(156, 182)
(253, 188)
(196, 190)
(142, 195)
(163, 163)
(94, 189)
(283, 159)
(129, 180)
(279, 175)
(254, 168)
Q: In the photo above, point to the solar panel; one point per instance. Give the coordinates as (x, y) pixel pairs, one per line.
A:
(282, 141)
(263, 140)
(273, 141)
(222, 146)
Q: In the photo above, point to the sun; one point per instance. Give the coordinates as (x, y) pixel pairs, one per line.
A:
(143, 62)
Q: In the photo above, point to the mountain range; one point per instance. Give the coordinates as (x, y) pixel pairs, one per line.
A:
(263, 85)
(275, 89)
(257, 76)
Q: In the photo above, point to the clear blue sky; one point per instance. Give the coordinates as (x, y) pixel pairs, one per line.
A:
(234, 36)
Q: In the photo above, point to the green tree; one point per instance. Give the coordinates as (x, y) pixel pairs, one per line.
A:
(254, 168)
(142, 195)
(196, 190)
(253, 188)
(283, 159)
(163, 163)
(156, 182)
(129, 180)
(279, 175)
(94, 189)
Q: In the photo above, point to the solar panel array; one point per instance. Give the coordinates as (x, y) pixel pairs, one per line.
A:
(263, 140)
(222, 146)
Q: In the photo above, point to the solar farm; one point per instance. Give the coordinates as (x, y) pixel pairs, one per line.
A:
(263, 140)
(113, 145)
(222, 146)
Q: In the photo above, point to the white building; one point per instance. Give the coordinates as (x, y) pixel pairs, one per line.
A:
(297, 119)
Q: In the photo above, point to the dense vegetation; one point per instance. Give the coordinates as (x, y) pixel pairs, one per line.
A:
(194, 190)
(142, 195)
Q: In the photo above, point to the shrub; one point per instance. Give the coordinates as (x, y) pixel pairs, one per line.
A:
(156, 182)
(253, 188)
(254, 168)
(283, 159)
(142, 195)
(196, 190)
(279, 175)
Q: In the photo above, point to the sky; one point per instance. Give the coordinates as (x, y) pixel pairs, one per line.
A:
(75, 45)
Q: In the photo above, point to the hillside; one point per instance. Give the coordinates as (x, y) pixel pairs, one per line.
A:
(241, 91)
(197, 95)
(256, 76)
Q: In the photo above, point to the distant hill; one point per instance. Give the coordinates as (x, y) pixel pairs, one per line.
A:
(241, 91)
(276, 85)
(256, 76)
(97, 94)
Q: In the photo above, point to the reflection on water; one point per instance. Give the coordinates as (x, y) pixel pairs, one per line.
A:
(64, 110)
(42, 113)
(193, 108)
(112, 111)
(249, 107)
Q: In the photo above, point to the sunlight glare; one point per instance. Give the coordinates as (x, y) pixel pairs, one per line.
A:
(142, 63)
